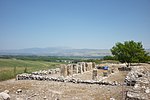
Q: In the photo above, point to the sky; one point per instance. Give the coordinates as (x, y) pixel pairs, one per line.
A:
(93, 24)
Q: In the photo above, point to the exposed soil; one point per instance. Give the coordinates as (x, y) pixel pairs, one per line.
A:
(40, 90)
(49, 90)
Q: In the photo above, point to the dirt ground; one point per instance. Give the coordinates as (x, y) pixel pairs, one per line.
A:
(50, 90)
(41, 90)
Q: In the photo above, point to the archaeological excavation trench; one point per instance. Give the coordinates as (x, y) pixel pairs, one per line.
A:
(68, 73)
(84, 81)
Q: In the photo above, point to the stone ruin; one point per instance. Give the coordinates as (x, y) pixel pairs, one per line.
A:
(73, 69)
(94, 74)
(140, 80)
(65, 70)
(65, 73)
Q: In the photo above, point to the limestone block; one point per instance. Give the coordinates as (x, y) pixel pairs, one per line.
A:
(4, 96)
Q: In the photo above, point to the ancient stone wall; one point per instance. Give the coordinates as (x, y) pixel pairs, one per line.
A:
(66, 72)
(80, 67)
(26, 76)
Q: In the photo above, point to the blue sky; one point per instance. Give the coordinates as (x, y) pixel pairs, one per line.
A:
(95, 24)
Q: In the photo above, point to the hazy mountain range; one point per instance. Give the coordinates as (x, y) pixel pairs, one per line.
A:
(57, 51)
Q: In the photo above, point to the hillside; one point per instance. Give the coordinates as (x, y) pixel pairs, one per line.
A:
(57, 51)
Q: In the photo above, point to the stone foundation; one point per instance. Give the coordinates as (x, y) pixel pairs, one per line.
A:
(26, 76)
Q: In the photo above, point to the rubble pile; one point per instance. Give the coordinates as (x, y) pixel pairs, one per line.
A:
(133, 75)
(140, 80)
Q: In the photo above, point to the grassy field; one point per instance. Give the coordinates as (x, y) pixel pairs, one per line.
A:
(9, 68)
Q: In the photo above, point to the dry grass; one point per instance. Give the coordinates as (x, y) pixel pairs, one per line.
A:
(10, 67)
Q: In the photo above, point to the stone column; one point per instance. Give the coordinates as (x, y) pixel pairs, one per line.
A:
(71, 69)
(79, 64)
(93, 65)
(63, 70)
(94, 74)
(68, 70)
(86, 66)
(77, 68)
(90, 66)
(81, 70)
(83, 67)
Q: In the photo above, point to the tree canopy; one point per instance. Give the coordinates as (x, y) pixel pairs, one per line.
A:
(129, 52)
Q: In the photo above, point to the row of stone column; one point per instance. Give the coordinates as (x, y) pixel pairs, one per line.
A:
(80, 67)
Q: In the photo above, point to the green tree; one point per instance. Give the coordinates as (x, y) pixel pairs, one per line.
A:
(129, 52)
(109, 58)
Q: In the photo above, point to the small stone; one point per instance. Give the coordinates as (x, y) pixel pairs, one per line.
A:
(19, 98)
(45, 98)
(147, 90)
(56, 98)
(35, 94)
(143, 87)
(5, 96)
(19, 90)
(136, 86)
(6, 91)
(112, 98)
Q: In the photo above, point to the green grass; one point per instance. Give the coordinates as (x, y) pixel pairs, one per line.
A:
(9, 68)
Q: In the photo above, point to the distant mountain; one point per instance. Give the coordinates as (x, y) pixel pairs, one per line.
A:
(57, 51)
